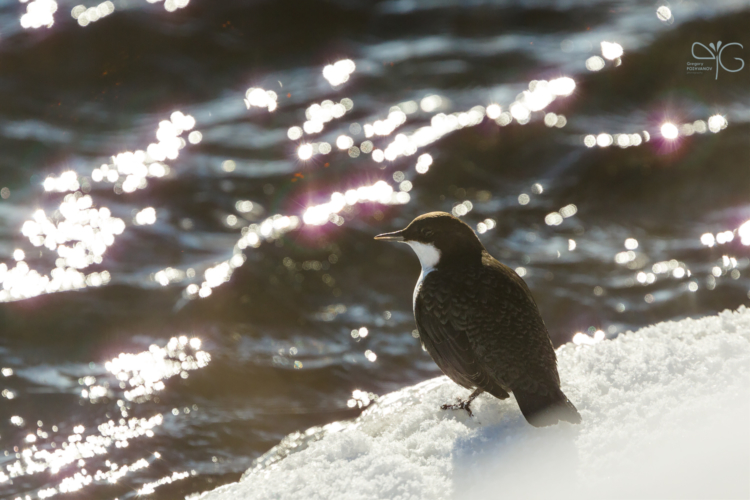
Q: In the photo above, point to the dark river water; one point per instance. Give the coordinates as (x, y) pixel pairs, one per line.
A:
(190, 191)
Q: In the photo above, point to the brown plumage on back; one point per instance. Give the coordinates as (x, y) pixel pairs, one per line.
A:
(478, 320)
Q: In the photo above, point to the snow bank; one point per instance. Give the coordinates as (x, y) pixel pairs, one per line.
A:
(666, 413)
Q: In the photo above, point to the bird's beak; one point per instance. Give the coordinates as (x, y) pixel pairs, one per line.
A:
(394, 236)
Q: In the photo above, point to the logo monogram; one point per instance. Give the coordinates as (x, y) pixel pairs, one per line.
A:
(715, 53)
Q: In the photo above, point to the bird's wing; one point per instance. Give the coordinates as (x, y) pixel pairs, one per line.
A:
(488, 313)
(447, 342)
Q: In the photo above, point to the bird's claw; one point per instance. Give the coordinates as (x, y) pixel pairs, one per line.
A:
(461, 405)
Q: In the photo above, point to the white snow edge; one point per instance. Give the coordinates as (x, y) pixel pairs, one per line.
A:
(666, 414)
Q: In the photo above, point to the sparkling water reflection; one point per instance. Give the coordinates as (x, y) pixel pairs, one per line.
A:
(134, 379)
(254, 231)
(81, 234)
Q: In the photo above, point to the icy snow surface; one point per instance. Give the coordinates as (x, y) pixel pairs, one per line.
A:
(666, 414)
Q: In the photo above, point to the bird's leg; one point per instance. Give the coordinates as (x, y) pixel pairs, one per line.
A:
(464, 405)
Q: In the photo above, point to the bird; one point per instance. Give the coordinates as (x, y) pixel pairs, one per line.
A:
(478, 320)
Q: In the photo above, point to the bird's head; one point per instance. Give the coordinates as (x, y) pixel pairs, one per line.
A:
(438, 237)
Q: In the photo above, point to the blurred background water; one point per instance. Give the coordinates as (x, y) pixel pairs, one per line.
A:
(171, 313)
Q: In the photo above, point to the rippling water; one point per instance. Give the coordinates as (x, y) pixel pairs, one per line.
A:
(190, 190)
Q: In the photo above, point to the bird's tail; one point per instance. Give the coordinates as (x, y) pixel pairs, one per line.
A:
(543, 410)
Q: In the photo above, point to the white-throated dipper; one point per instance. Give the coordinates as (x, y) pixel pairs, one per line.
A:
(478, 321)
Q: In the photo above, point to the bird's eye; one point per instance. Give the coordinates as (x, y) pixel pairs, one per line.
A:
(426, 232)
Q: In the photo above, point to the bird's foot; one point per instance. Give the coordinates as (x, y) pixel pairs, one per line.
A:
(461, 405)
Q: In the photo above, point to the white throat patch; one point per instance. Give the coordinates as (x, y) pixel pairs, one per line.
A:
(429, 256)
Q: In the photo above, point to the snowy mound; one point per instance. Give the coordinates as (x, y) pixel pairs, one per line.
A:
(665, 415)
